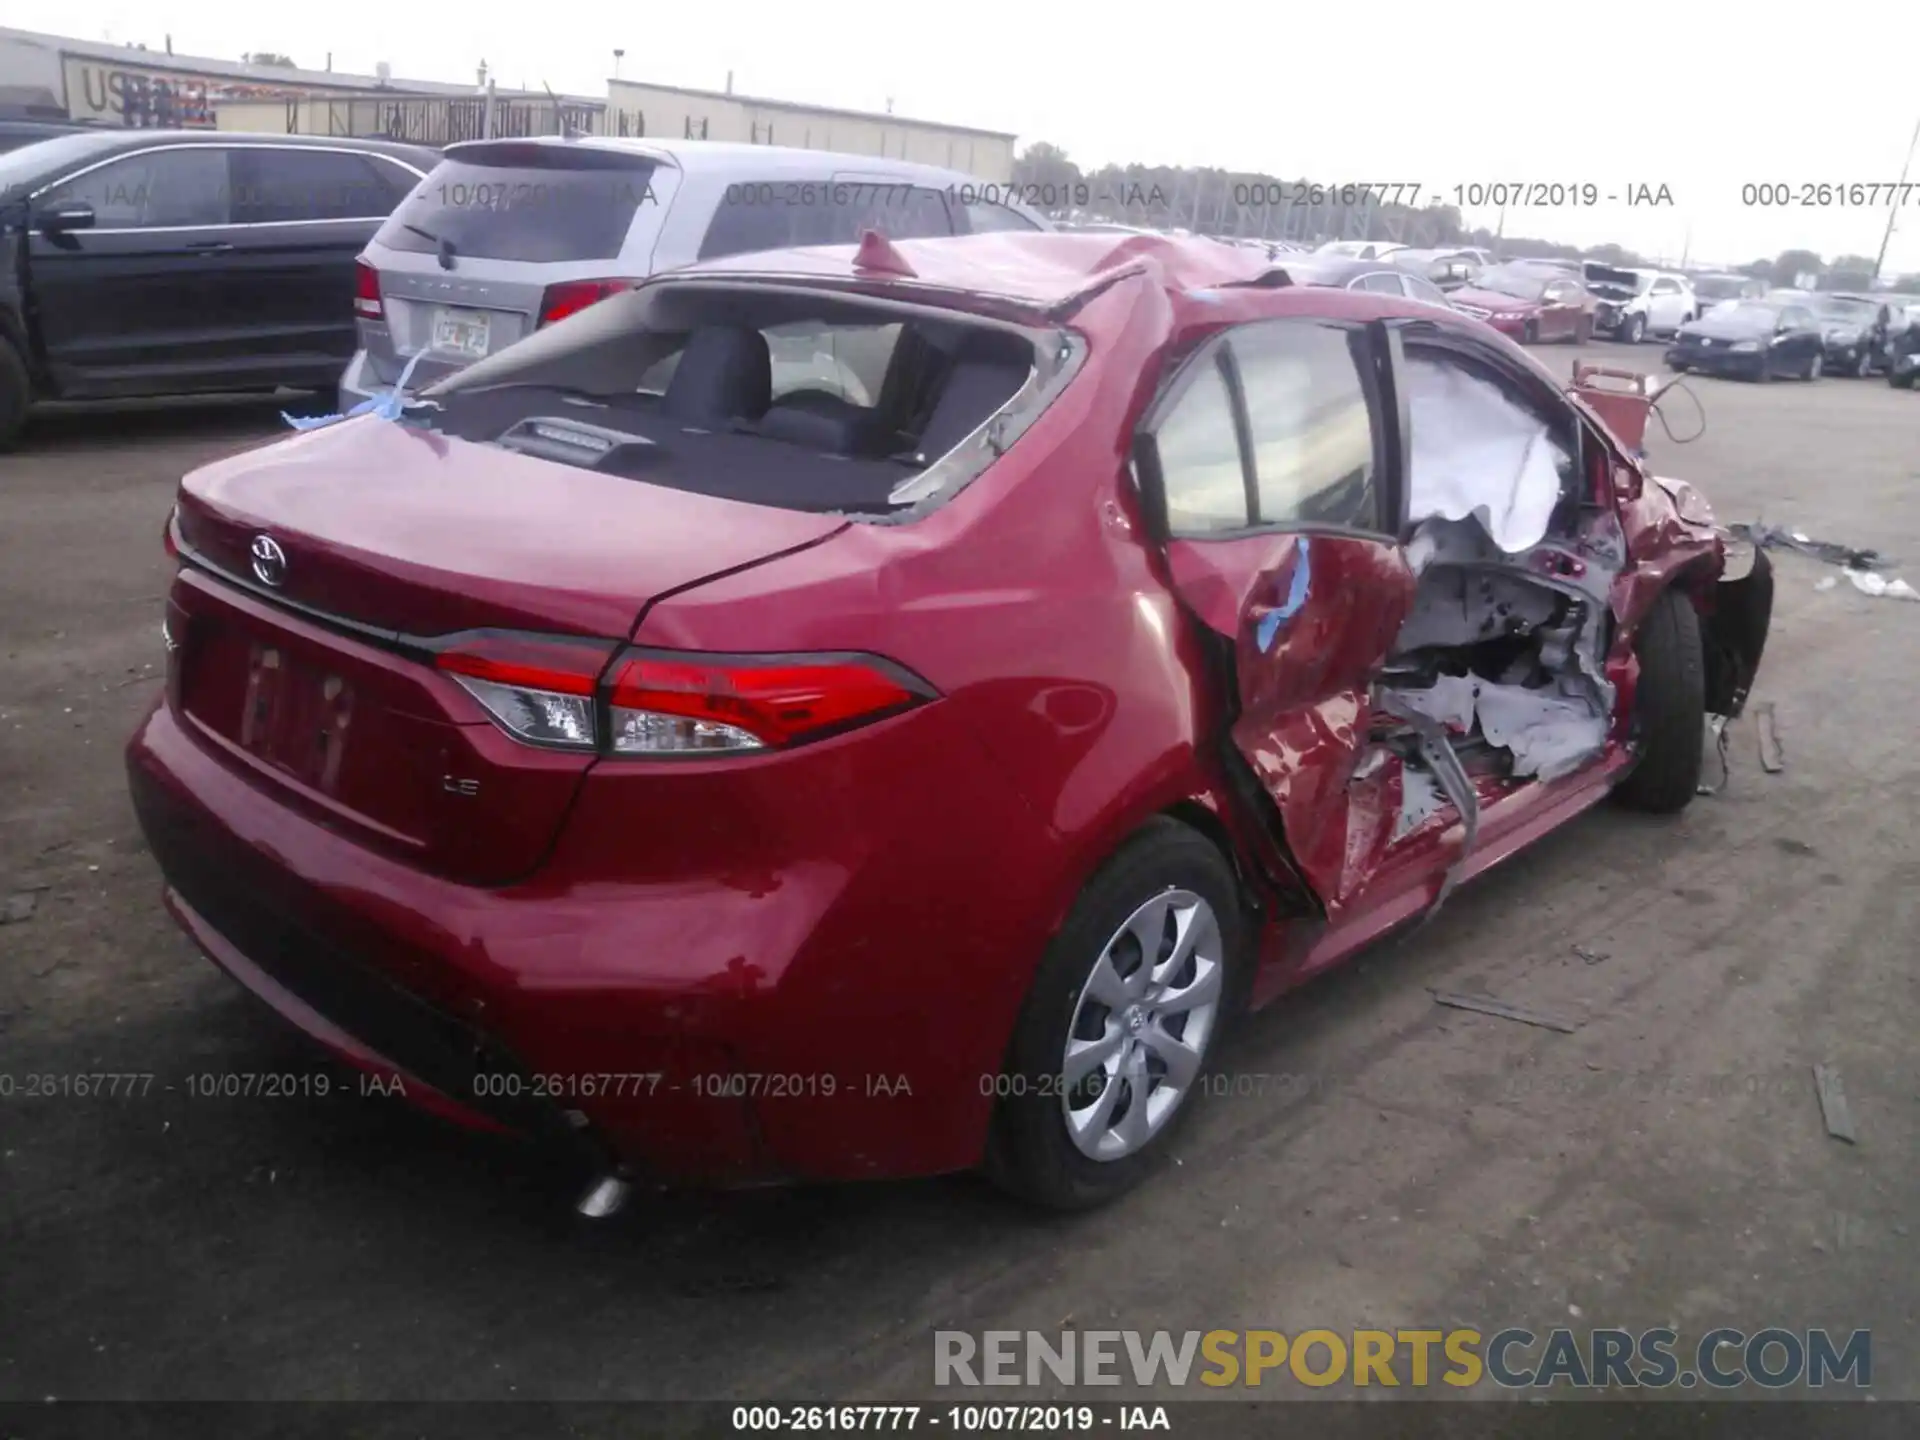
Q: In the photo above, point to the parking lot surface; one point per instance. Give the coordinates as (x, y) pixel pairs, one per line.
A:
(1370, 1158)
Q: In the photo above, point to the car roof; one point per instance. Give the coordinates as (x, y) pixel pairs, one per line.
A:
(729, 157)
(1043, 275)
(87, 143)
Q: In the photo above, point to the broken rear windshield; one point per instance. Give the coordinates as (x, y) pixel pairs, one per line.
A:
(801, 400)
(541, 204)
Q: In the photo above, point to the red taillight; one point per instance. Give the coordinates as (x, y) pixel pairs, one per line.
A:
(570, 297)
(166, 535)
(366, 294)
(536, 688)
(546, 690)
(665, 703)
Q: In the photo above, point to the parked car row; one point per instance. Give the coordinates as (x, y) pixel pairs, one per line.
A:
(154, 262)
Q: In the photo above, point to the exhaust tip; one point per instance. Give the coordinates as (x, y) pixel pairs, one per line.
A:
(606, 1197)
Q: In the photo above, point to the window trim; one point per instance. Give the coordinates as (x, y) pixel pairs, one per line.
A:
(1386, 410)
(225, 149)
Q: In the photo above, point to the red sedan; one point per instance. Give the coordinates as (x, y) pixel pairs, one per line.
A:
(831, 714)
(1529, 301)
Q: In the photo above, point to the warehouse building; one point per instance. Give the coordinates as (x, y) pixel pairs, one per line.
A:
(134, 86)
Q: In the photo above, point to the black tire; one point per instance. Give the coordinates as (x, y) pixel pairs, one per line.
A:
(1679, 367)
(1634, 329)
(1531, 334)
(1670, 709)
(1900, 382)
(1816, 365)
(1863, 367)
(1029, 1151)
(16, 395)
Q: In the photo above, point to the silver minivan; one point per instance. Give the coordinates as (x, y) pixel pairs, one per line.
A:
(505, 236)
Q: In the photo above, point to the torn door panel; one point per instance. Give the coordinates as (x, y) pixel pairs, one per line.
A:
(1310, 617)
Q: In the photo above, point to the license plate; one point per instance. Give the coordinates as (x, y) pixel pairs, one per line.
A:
(294, 717)
(462, 332)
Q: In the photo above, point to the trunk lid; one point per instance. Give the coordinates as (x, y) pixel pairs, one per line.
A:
(317, 687)
(408, 532)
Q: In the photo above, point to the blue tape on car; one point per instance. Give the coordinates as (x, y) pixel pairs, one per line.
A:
(388, 405)
(1269, 628)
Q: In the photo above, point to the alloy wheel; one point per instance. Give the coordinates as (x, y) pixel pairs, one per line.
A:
(1813, 366)
(1142, 1025)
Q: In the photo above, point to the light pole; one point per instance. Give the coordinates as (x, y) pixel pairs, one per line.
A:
(618, 56)
(1893, 210)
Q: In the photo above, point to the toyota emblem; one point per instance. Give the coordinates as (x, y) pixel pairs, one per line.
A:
(269, 560)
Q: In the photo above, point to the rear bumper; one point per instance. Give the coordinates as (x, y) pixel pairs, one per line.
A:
(796, 1018)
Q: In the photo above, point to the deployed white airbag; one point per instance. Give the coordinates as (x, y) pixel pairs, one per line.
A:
(1478, 454)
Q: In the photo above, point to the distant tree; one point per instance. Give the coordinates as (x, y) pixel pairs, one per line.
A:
(1849, 272)
(269, 57)
(1908, 285)
(1759, 269)
(1790, 264)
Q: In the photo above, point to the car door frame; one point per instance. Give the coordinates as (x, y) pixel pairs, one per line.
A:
(313, 256)
(1301, 793)
(173, 256)
(1560, 319)
(1799, 344)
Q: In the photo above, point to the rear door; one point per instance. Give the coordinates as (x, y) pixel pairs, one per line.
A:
(301, 215)
(127, 306)
(469, 261)
(1271, 471)
(1563, 302)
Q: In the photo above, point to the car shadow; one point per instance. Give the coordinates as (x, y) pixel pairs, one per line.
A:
(113, 424)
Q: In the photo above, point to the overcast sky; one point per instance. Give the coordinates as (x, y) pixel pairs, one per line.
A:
(1694, 97)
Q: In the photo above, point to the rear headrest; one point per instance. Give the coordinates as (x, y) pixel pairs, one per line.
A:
(724, 374)
(973, 391)
(820, 427)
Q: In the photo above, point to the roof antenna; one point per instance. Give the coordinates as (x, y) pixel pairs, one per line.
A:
(877, 253)
(567, 132)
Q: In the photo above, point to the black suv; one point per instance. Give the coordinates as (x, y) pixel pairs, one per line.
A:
(153, 262)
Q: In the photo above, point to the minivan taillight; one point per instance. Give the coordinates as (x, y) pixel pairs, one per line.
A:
(366, 294)
(546, 690)
(664, 702)
(570, 297)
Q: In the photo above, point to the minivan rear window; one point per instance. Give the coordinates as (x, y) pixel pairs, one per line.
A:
(522, 204)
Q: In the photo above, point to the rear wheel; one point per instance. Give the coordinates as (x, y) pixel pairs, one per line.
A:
(1531, 334)
(1863, 367)
(1122, 1022)
(1899, 381)
(1814, 367)
(16, 394)
(1669, 708)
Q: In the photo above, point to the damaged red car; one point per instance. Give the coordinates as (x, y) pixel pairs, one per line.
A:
(848, 713)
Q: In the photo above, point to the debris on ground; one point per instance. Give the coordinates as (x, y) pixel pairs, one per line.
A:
(1772, 758)
(16, 908)
(1487, 1005)
(1768, 537)
(1833, 1103)
(1717, 732)
(1592, 957)
(1869, 582)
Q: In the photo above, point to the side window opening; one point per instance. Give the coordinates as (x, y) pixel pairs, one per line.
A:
(180, 187)
(1312, 433)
